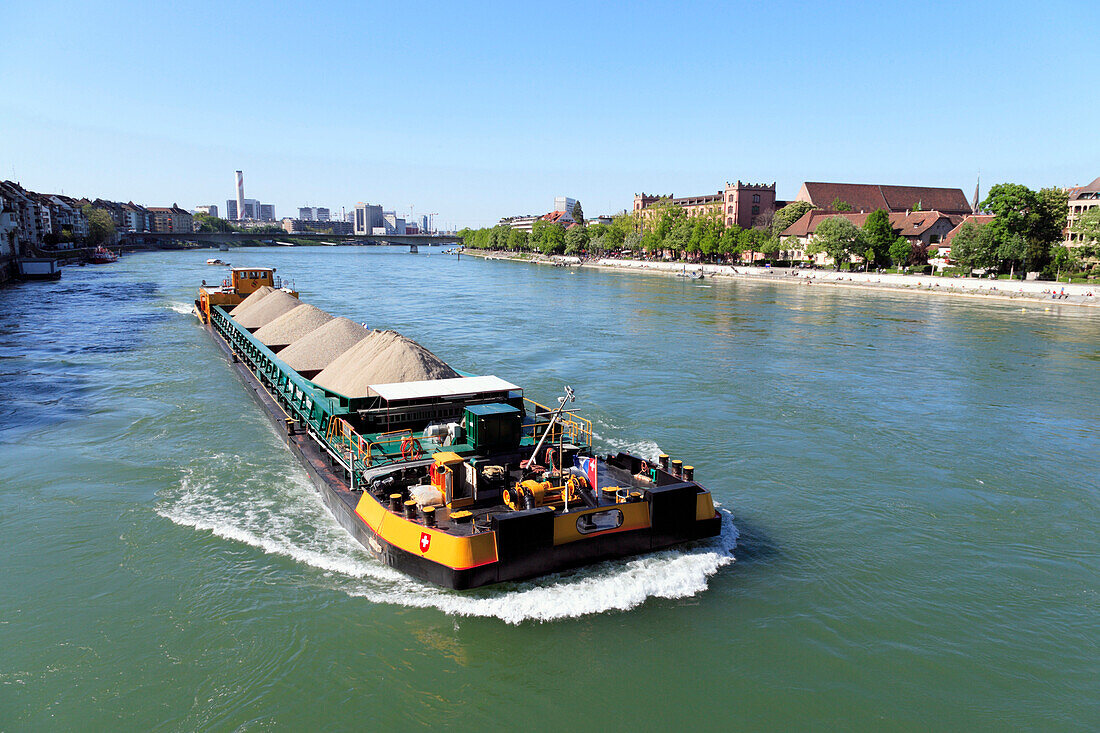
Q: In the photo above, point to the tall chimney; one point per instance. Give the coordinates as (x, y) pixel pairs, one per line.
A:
(240, 194)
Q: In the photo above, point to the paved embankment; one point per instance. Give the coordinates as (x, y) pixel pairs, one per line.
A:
(1071, 294)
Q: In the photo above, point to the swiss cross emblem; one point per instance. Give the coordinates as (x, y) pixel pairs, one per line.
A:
(425, 541)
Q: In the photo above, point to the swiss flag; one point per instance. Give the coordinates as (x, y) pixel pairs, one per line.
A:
(425, 541)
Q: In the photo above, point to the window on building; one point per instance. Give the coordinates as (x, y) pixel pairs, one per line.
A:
(755, 210)
(756, 198)
(729, 222)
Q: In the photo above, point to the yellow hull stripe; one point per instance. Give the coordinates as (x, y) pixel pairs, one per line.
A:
(459, 553)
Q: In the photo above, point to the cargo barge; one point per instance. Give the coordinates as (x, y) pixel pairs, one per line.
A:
(456, 479)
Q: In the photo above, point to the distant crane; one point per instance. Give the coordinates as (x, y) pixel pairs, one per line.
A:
(431, 222)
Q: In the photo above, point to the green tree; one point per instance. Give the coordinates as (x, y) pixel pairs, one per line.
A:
(838, 205)
(900, 252)
(576, 240)
(838, 238)
(553, 240)
(974, 246)
(650, 242)
(1051, 209)
(620, 227)
(729, 243)
(769, 247)
(788, 215)
(880, 236)
(538, 233)
(1087, 226)
(1013, 250)
(209, 223)
(631, 241)
(678, 236)
(101, 228)
(1061, 259)
(578, 213)
(666, 215)
(1015, 208)
(698, 231)
(517, 240)
(711, 239)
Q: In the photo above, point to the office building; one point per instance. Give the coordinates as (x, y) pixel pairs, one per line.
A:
(368, 217)
(209, 210)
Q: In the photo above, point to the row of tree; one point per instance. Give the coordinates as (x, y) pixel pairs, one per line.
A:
(667, 229)
(1025, 234)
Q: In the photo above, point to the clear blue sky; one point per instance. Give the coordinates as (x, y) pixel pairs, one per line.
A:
(483, 110)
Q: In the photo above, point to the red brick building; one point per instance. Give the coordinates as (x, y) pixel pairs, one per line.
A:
(739, 203)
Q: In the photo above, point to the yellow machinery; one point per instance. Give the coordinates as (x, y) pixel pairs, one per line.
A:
(530, 494)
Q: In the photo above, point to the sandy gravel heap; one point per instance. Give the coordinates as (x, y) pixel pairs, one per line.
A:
(292, 325)
(267, 310)
(316, 350)
(257, 295)
(384, 357)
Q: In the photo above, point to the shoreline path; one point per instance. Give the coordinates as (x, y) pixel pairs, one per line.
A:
(1035, 291)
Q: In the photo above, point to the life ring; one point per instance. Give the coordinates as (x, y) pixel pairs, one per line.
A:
(411, 449)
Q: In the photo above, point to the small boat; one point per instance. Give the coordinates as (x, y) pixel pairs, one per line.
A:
(102, 256)
(215, 261)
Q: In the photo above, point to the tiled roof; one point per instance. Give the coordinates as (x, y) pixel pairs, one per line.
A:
(868, 197)
(1093, 187)
(911, 224)
(977, 219)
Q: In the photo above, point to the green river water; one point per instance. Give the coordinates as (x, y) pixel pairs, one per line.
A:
(910, 481)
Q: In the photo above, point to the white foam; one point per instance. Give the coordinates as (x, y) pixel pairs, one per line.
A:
(643, 448)
(281, 514)
(184, 308)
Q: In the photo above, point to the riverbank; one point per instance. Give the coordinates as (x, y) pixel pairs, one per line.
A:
(969, 287)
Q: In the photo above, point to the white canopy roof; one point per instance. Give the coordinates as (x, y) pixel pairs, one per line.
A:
(441, 388)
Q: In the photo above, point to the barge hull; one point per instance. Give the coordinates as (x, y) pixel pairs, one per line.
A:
(518, 564)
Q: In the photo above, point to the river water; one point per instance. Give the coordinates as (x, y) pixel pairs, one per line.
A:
(910, 484)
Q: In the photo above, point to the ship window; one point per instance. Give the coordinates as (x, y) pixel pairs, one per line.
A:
(599, 521)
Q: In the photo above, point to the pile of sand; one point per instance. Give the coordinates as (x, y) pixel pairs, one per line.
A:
(384, 357)
(256, 296)
(315, 351)
(291, 326)
(267, 310)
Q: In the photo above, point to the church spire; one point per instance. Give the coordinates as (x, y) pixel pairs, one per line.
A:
(977, 196)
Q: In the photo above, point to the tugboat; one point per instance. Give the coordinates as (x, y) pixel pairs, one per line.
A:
(458, 480)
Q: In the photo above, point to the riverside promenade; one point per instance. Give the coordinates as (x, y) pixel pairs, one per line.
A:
(1080, 294)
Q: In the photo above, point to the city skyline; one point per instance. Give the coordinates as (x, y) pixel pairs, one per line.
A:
(779, 93)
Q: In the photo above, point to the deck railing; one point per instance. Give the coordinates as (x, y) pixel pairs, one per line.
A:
(576, 430)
